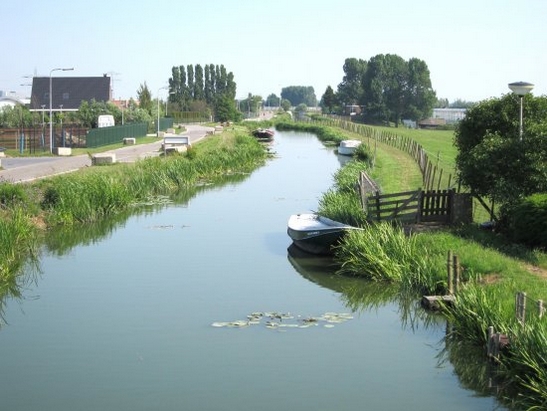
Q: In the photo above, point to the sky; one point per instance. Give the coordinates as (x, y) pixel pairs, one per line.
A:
(473, 48)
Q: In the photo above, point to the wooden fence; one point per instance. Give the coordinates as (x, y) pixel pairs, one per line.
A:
(419, 206)
(434, 177)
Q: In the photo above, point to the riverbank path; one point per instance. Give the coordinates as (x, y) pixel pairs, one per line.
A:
(25, 169)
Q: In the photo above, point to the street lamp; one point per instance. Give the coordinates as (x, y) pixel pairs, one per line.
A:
(158, 98)
(43, 125)
(521, 88)
(51, 105)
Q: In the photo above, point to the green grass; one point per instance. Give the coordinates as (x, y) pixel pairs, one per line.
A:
(439, 144)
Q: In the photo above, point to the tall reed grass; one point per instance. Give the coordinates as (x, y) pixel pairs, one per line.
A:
(85, 197)
(17, 243)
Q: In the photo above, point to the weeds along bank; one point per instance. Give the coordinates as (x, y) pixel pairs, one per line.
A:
(26, 210)
(493, 270)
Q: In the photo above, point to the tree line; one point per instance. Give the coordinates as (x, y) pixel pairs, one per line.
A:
(385, 89)
(197, 88)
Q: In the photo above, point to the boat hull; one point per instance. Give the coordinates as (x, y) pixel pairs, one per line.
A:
(263, 134)
(348, 147)
(315, 234)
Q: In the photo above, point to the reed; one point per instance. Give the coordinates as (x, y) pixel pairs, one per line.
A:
(85, 197)
(17, 243)
(526, 365)
(342, 202)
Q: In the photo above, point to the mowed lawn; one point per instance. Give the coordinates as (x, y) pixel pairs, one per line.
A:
(439, 144)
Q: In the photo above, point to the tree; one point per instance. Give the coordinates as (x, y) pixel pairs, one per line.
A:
(300, 110)
(420, 97)
(461, 104)
(299, 95)
(350, 90)
(203, 89)
(388, 87)
(328, 101)
(208, 90)
(190, 81)
(88, 113)
(226, 110)
(199, 84)
(273, 101)
(286, 104)
(492, 160)
(145, 98)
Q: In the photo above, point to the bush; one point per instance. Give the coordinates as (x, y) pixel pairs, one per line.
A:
(11, 195)
(526, 221)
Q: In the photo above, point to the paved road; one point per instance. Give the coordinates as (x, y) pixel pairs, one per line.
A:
(23, 169)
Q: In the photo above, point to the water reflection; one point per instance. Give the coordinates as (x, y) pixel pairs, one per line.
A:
(13, 286)
(473, 371)
(60, 240)
(361, 295)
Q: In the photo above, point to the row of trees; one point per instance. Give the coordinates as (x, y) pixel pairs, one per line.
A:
(86, 116)
(197, 88)
(386, 89)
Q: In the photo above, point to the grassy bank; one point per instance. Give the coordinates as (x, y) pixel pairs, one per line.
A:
(493, 270)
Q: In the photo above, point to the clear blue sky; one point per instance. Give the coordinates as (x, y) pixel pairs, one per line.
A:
(473, 48)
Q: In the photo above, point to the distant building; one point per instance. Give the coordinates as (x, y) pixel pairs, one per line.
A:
(68, 92)
(352, 109)
(450, 115)
(11, 99)
(432, 123)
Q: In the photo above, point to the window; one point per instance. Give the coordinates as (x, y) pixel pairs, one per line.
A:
(65, 96)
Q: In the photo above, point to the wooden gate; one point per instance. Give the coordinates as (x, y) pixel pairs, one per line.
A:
(411, 206)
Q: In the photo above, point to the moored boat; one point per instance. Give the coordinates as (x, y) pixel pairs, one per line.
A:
(314, 233)
(348, 147)
(263, 134)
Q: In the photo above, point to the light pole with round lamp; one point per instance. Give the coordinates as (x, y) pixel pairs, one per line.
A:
(158, 97)
(521, 88)
(51, 105)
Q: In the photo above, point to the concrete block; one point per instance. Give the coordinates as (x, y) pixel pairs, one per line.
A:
(62, 151)
(128, 141)
(104, 158)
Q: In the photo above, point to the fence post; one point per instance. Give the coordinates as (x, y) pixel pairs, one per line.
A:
(456, 268)
(520, 307)
(450, 271)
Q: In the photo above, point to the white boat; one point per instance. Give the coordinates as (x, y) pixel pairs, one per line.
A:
(347, 147)
(314, 233)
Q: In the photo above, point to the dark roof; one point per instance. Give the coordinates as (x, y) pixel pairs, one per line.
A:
(68, 91)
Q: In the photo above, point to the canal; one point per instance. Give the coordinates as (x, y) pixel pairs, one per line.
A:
(150, 311)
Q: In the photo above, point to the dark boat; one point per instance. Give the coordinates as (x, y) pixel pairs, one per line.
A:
(263, 134)
(316, 234)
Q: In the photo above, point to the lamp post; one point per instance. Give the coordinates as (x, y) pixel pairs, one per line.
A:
(51, 105)
(158, 98)
(61, 119)
(43, 125)
(521, 88)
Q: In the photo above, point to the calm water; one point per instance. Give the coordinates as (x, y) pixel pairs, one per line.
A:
(121, 319)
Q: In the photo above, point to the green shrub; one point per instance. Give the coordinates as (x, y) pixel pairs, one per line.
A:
(526, 221)
(11, 195)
